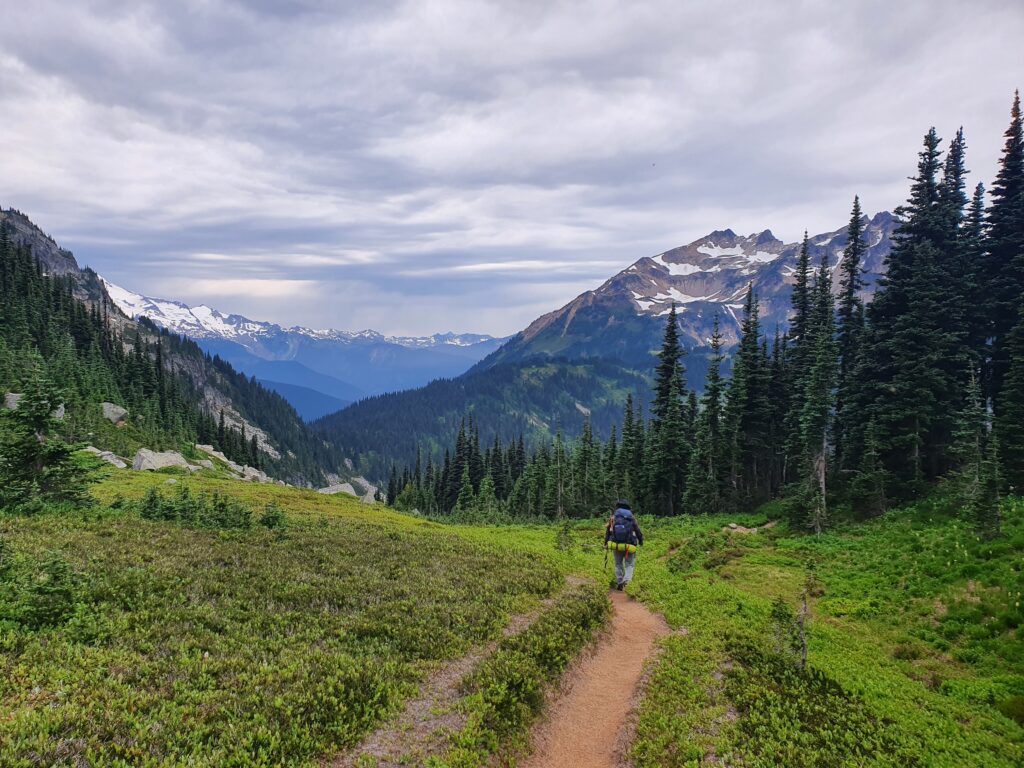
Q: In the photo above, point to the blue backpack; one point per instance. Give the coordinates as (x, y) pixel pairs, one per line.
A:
(622, 527)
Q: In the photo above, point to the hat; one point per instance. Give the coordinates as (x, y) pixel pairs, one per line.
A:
(622, 504)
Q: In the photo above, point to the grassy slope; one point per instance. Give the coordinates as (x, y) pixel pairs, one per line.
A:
(244, 647)
(915, 640)
(915, 635)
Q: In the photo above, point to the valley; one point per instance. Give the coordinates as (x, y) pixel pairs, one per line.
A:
(417, 385)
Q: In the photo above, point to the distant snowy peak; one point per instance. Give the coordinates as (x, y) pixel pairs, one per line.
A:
(200, 322)
(203, 322)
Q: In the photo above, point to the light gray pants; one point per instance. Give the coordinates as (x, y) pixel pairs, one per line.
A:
(624, 566)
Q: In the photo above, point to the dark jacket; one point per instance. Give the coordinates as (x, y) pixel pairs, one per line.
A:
(637, 534)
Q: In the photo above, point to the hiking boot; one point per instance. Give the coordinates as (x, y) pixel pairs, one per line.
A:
(620, 587)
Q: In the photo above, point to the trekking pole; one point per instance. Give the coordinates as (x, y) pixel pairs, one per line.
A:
(604, 568)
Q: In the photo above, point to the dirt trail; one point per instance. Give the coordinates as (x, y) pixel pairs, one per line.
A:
(584, 726)
(422, 728)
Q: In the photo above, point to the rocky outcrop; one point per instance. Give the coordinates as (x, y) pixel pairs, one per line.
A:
(146, 459)
(115, 414)
(241, 472)
(366, 495)
(107, 456)
(330, 490)
(55, 260)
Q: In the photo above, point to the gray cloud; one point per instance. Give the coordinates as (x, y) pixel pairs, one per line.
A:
(419, 166)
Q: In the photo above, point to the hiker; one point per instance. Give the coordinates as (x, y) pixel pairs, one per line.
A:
(623, 536)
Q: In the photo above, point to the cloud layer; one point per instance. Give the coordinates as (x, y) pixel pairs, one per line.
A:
(433, 165)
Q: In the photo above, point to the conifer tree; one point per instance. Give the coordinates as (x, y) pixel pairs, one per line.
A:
(1005, 247)
(35, 464)
(667, 454)
(972, 249)
(985, 510)
(487, 505)
(904, 388)
(818, 396)
(1009, 414)
(850, 316)
(706, 476)
(748, 415)
(797, 363)
(465, 505)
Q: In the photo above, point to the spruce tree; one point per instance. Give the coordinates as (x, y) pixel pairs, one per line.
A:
(797, 360)
(905, 385)
(465, 505)
(747, 416)
(1009, 414)
(815, 416)
(1005, 247)
(986, 510)
(667, 454)
(850, 316)
(35, 464)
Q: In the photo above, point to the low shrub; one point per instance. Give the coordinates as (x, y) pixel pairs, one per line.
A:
(506, 692)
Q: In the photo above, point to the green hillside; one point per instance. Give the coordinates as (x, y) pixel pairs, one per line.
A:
(533, 399)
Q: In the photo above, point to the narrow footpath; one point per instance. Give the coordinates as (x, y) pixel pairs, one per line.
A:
(585, 725)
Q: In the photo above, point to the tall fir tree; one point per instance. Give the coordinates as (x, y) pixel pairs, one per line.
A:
(1005, 248)
(747, 415)
(667, 453)
(1009, 416)
(850, 322)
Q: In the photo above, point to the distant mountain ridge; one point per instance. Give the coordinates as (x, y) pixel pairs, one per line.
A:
(205, 322)
(608, 337)
(344, 365)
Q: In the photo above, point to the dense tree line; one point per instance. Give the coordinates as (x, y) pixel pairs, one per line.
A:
(50, 339)
(856, 407)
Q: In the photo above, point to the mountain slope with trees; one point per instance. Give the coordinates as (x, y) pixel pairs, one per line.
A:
(858, 406)
(61, 338)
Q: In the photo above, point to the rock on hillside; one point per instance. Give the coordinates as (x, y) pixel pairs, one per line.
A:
(55, 260)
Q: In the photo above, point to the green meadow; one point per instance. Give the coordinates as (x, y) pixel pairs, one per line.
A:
(244, 624)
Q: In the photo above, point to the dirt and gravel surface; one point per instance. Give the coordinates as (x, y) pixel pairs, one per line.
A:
(585, 725)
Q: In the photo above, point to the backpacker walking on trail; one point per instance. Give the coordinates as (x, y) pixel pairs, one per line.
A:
(622, 536)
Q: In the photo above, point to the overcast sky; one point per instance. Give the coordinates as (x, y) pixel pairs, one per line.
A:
(425, 166)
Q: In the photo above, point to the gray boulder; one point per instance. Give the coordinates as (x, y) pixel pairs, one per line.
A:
(115, 414)
(11, 400)
(258, 475)
(147, 459)
(330, 490)
(106, 456)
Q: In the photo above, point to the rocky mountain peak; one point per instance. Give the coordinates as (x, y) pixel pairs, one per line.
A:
(705, 279)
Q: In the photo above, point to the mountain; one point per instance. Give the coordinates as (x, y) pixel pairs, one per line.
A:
(359, 363)
(57, 323)
(309, 403)
(532, 398)
(607, 338)
(623, 319)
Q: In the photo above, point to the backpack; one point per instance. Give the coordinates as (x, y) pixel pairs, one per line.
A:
(622, 527)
